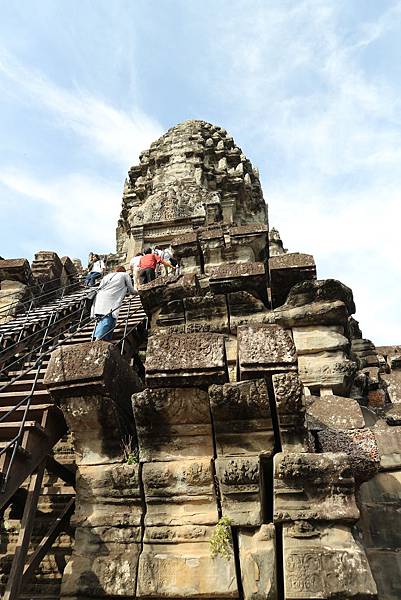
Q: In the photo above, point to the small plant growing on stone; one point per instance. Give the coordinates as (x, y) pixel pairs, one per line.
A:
(221, 541)
(130, 451)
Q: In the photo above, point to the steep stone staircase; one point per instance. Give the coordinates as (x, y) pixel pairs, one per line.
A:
(31, 425)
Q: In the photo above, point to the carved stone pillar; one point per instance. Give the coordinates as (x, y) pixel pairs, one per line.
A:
(93, 385)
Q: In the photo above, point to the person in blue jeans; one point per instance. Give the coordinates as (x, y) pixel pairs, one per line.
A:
(111, 292)
(97, 270)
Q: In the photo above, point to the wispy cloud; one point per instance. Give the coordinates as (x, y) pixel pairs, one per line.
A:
(334, 134)
(117, 135)
(82, 211)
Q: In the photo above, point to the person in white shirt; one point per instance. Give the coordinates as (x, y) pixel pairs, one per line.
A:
(97, 270)
(110, 294)
(134, 266)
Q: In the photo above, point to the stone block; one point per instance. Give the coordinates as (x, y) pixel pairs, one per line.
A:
(212, 245)
(89, 365)
(388, 439)
(162, 290)
(316, 313)
(334, 412)
(180, 493)
(380, 501)
(322, 290)
(240, 489)
(313, 486)
(239, 277)
(325, 562)
(393, 383)
(289, 399)
(244, 308)
(327, 369)
(248, 243)
(376, 398)
(93, 385)
(16, 269)
(359, 445)
(288, 269)
(314, 339)
(47, 268)
(104, 563)
(393, 414)
(206, 314)
(265, 350)
(386, 569)
(242, 418)
(176, 563)
(257, 555)
(187, 250)
(170, 318)
(173, 424)
(189, 360)
(108, 496)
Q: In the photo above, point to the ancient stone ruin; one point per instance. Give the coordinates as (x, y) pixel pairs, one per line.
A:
(257, 454)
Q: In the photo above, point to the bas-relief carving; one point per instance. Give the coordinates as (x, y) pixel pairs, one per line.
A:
(314, 486)
(173, 424)
(242, 418)
(324, 561)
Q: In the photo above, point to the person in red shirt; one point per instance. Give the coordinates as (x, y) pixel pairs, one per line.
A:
(148, 264)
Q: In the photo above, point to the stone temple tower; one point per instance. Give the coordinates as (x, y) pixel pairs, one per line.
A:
(265, 437)
(193, 176)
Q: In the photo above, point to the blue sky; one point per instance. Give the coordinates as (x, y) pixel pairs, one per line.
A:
(309, 89)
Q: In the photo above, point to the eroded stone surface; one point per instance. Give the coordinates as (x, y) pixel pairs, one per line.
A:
(242, 418)
(185, 360)
(331, 369)
(108, 496)
(104, 563)
(336, 412)
(264, 349)
(240, 489)
(173, 424)
(313, 486)
(313, 339)
(388, 439)
(288, 394)
(258, 562)
(325, 562)
(180, 493)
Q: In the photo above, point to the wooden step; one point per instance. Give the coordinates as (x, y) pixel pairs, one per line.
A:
(28, 375)
(35, 412)
(24, 385)
(22, 454)
(12, 398)
(9, 429)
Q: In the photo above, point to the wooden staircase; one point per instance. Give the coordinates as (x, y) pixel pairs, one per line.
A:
(30, 423)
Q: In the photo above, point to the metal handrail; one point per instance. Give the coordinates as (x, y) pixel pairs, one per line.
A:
(44, 283)
(35, 333)
(15, 442)
(24, 372)
(35, 299)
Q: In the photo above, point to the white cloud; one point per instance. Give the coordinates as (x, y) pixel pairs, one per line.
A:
(117, 135)
(82, 211)
(303, 90)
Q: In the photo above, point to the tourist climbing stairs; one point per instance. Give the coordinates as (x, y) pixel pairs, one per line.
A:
(31, 424)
